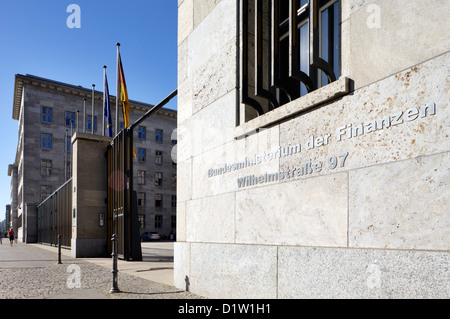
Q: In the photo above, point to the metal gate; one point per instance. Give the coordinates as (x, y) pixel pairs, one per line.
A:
(122, 210)
(122, 199)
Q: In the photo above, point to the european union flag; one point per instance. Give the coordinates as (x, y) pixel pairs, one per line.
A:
(107, 108)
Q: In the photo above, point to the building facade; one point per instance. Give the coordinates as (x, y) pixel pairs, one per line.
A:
(313, 149)
(7, 221)
(49, 114)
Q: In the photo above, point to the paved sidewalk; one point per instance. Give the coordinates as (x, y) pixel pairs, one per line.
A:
(157, 264)
(30, 271)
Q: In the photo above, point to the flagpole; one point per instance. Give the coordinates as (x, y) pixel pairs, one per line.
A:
(104, 98)
(92, 116)
(117, 90)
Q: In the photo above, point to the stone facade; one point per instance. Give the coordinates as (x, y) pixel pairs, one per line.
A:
(12, 172)
(38, 171)
(342, 193)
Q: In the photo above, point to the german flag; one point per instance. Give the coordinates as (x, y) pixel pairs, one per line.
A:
(124, 96)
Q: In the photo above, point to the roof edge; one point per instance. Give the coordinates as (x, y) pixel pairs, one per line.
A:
(21, 79)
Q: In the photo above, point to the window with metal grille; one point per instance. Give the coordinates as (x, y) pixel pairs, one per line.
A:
(141, 177)
(142, 132)
(89, 123)
(158, 200)
(289, 48)
(141, 154)
(158, 221)
(158, 179)
(70, 119)
(46, 141)
(174, 201)
(46, 114)
(46, 167)
(159, 135)
(141, 220)
(141, 199)
(173, 221)
(158, 157)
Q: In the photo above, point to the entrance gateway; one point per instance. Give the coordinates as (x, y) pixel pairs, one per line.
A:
(122, 212)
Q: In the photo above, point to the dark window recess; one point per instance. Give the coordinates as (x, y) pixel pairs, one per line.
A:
(289, 48)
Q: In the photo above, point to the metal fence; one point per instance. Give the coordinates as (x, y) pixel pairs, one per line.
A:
(55, 217)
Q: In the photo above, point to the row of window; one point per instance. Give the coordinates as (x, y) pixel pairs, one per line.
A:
(142, 200)
(46, 191)
(142, 180)
(47, 142)
(47, 170)
(47, 117)
(158, 222)
(142, 156)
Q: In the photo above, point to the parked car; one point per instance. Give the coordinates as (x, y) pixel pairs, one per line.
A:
(150, 236)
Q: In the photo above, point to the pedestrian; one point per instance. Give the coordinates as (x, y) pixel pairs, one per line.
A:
(11, 236)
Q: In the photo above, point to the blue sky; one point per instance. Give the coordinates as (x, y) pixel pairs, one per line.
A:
(35, 39)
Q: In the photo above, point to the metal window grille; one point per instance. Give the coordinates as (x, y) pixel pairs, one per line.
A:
(158, 179)
(158, 221)
(47, 114)
(141, 199)
(141, 177)
(141, 132)
(288, 48)
(174, 201)
(158, 200)
(46, 141)
(159, 136)
(70, 118)
(89, 123)
(46, 167)
(158, 157)
(141, 154)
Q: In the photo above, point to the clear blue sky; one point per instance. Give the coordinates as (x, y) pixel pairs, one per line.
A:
(35, 39)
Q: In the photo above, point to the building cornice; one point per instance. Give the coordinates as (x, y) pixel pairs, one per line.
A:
(11, 167)
(21, 80)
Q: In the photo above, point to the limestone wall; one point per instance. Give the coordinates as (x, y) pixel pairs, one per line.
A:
(331, 195)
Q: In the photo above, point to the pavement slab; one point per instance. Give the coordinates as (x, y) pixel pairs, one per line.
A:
(30, 271)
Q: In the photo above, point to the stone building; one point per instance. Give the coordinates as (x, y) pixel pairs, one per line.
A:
(49, 114)
(7, 221)
(313, 149)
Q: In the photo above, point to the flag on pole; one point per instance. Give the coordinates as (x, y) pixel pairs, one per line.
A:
(124, 96)
(107, 107)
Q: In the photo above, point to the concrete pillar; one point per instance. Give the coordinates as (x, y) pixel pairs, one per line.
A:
(89, 195)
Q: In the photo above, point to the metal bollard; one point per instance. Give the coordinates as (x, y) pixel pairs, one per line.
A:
(114, 271)
(59, 249)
